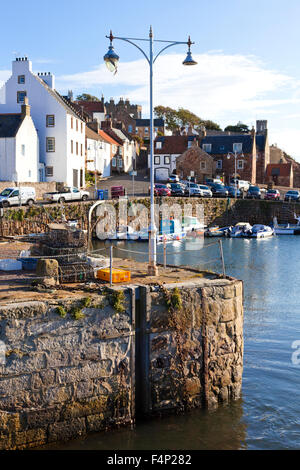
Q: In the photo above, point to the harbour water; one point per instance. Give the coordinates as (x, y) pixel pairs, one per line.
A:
(268, 414)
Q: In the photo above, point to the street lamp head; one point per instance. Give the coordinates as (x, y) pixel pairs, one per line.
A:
(111, 59)
(189, 59)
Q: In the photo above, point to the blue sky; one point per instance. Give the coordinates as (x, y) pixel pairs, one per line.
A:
(248, 54)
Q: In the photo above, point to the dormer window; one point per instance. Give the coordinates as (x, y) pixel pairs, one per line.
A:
(158, 145)
(238, 147)
(206, 147)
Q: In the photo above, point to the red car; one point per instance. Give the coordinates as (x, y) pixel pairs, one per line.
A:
(161, 190)
(272, 195)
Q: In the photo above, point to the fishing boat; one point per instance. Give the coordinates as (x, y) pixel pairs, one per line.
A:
(238, 231)
(123, 232)
(286, 229)
(191, 226)
(170, 230)
(216, 232)
(259, 231)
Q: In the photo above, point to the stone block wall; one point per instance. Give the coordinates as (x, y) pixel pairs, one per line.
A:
(195, 351)
(64, 376)
(95, 363)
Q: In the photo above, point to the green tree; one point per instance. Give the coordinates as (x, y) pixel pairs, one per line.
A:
(239, 127)
(182, 117)
(87, 97)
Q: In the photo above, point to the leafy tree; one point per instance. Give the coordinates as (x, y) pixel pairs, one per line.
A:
(87, 97)
(239, 127)
(182, 117)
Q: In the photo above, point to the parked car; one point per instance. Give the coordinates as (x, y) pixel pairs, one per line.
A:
(292, 195)
(15, 196)
(68, 194)
(233, 191)
(177, 189)
(161, 190)
(173, 179)
(272, 194)
(206, 191)
(192, 189)
(241, 184)
(253, 193)
(210, 181)
(218, 190)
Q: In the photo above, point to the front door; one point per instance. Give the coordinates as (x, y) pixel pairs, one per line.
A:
(75, 178)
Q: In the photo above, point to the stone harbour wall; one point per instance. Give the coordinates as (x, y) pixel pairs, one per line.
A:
(100, 361)
(222, 212)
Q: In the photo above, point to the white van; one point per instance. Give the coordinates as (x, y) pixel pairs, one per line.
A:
(240, 184)
(16, 196)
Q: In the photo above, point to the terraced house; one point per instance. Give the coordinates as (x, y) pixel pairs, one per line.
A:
(60, 127)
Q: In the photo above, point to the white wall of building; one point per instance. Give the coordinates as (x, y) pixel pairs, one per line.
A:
(27, 152)
(43, 102)
(98, 156)
(19, 155)
(162, 161)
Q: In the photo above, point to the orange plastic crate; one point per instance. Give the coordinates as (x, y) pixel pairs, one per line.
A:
(118, 275)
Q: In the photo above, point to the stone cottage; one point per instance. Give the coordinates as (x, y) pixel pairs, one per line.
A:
(197, 160)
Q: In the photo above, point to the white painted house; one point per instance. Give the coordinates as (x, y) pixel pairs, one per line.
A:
(60, 128)
(19, 147)
(166, 151)
(98, 153)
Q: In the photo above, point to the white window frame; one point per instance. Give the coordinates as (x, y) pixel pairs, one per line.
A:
(240, 164)
(48, 147)
(219, 164)
(18, 96)
(206, 147)
(120, 162)
(155, 158)
(169, 158)
(47, 174)
(114, 162)
(48, 120)
(158, 145)
(237, 147)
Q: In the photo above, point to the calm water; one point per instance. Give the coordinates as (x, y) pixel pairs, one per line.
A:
(268, 414)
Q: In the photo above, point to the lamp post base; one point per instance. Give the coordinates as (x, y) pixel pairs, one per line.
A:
(152, 270)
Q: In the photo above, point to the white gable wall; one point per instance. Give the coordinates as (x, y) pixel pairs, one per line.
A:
(43, 103)
(27, 165)
(7, 158)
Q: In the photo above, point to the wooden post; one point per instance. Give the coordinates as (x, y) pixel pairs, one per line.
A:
(110, 263)
(222, 257)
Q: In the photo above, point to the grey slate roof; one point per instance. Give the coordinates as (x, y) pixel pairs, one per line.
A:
(10, 124)
(224, 143)
(260, 142)
(146, 122)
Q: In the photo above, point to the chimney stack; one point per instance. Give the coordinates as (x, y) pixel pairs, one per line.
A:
(25, 108)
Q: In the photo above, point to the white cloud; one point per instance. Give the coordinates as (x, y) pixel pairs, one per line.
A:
(222, 87)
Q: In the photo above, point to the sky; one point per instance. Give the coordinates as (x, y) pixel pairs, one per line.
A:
(247, 53)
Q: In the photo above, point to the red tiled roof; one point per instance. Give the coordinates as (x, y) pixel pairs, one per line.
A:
(91, 107)
(173, 144)
(284, 168)
(107, 137)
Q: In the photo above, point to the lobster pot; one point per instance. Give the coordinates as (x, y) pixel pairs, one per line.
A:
(79, 272)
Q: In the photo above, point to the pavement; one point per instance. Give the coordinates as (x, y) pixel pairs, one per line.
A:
(138, 187)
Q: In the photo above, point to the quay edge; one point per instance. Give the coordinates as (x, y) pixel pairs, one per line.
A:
(133, 350)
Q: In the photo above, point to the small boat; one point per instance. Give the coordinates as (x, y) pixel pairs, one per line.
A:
(122, 233)
(259, 231)
(216, 232)
(238, 231)
(170, 230)
(286, 229)
(191, 226)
